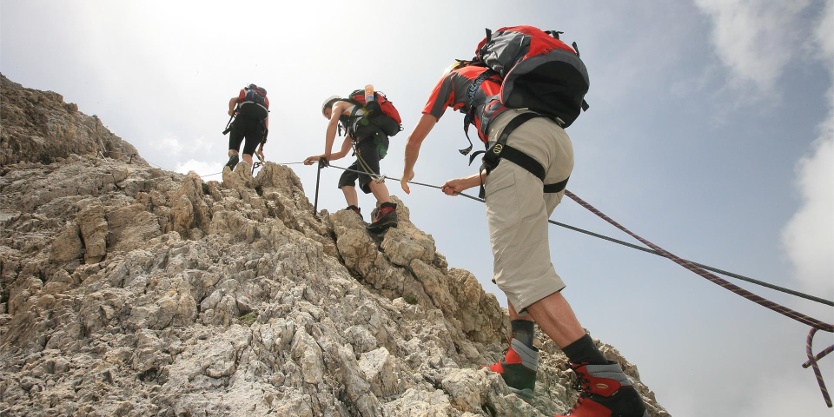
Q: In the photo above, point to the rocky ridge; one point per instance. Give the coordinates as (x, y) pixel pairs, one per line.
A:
(127, 290)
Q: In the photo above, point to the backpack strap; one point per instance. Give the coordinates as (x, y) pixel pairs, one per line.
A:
(347, 121)
(470, 115)
(500, 149)
(585, 105)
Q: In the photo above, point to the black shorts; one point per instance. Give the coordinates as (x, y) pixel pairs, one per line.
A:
(369, 151)
(246, 128)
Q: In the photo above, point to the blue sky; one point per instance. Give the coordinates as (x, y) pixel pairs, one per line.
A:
(710, 133)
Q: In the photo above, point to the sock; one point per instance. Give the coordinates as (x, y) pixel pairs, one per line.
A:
(583, 350)
(523, 331)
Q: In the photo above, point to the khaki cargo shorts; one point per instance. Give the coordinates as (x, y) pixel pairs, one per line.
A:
(518, 210)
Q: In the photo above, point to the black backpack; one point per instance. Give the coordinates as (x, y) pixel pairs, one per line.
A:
(254, 104)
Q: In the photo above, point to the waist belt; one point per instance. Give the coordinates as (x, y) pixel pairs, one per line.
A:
(500, 149)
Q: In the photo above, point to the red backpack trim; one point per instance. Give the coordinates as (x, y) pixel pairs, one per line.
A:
(392, 125)
(358, 97)
(540, 72)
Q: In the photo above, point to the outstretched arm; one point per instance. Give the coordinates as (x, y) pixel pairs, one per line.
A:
(412, 148)
(346, 147)
(347, 144)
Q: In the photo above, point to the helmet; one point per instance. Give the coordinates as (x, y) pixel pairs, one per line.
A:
(329, 102)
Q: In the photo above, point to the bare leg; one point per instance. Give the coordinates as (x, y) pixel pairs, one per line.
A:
(247, 158)
(556, 319)
(380, 191)
(514, 315)
(350, 195)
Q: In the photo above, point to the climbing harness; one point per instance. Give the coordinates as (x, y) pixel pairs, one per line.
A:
(366, 169)
(257, 164)
(499, 150)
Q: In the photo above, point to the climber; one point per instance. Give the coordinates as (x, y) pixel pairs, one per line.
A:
(250, 110)
(518, 208)
(371, 143)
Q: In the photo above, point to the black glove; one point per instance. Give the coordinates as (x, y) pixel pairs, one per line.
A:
(323, 162)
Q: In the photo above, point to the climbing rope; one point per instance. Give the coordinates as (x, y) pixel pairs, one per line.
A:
(701, 270)
(813, 323)
(633, 246)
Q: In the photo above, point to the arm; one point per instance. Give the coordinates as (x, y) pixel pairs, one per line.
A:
(457, 185)
(266, 121)
(260, 150)
(232, 104)
(346, 147)
(330, 135)
(412, 148)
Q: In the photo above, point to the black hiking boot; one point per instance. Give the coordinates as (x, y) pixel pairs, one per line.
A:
(384, 217)
(233, 160)
(356, 210)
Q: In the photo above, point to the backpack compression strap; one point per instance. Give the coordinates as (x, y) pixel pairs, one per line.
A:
(500, 149)
(469, 118)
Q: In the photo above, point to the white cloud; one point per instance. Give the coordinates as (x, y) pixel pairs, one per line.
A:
(824, 40)
(207, 170)
(756, 39)
(809, 236)
(794, 396)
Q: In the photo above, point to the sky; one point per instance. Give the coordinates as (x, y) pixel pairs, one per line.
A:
(710, 133)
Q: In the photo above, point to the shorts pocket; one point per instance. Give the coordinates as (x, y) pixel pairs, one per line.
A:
(496, 183)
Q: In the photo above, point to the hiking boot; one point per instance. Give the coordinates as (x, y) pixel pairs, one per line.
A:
(605, 391)
(384, 217)
(233, 160)
(355, 209)
(518, 368)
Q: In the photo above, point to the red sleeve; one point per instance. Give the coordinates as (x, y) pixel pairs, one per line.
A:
(241, 96)
(441, 97)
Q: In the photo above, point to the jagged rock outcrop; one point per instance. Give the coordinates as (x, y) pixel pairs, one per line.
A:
(127, 290)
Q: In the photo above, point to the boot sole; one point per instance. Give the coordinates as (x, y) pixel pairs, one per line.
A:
(526, 394)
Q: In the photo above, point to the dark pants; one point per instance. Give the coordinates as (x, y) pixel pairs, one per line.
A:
(370, 149)
(245, 128)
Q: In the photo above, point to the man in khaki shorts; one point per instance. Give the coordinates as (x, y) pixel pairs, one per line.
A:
(521, 193)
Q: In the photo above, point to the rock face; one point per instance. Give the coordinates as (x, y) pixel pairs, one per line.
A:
(127, 290)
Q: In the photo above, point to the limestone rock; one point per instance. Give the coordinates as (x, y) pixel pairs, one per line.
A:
(128, 290)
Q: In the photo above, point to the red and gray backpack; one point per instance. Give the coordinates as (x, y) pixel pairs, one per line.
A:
(539, 71)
